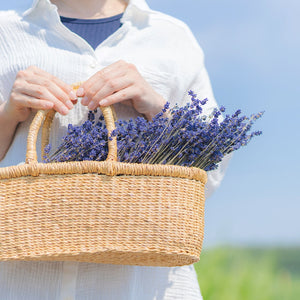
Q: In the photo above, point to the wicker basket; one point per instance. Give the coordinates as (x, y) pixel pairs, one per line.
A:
(101, 212)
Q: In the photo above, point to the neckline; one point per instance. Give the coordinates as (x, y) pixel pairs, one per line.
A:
(91, 21)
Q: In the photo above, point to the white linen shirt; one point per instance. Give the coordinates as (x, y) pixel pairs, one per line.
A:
(167, 55)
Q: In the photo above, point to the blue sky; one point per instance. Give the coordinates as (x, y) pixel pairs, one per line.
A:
(252, 56)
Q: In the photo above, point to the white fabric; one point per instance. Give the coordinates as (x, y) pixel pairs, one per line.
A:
(168, 56)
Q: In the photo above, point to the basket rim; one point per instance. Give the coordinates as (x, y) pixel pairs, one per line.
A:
(108, 168)
(185, 257)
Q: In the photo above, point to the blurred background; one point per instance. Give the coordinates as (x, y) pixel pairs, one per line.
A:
(252, 234)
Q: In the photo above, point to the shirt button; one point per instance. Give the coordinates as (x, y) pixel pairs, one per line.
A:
(93, 64)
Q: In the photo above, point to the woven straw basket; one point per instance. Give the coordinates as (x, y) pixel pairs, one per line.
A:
(101, 212)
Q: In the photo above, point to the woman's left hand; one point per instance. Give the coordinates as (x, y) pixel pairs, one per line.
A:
(121, 82)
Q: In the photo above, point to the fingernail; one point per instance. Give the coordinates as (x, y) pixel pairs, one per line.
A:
(103, 102)
(70, 104)
(91, 105)
(72, 95)
(84, 101)
(64, 110)
(80, 92)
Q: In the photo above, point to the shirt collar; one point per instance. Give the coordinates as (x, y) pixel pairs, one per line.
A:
(35, 5)
(140, 4)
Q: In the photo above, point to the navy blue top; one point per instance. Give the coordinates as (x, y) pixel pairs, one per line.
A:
(94, 31)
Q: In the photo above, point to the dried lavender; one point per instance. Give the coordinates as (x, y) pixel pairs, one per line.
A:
(184, 137)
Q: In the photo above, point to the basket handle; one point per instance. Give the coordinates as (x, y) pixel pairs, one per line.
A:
(47, 115)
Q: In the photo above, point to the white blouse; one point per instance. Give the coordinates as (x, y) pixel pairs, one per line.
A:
(170, 59)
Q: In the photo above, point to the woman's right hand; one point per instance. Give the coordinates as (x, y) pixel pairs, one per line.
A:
(37, 89)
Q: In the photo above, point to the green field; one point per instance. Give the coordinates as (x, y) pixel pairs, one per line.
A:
(249, 274)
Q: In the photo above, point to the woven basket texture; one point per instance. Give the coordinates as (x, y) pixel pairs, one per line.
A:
(101, 212)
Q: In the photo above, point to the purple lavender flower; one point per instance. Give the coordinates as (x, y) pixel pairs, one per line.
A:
(185, 137)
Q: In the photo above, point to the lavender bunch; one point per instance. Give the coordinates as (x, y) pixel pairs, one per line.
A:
(85, 142)
(177, 136)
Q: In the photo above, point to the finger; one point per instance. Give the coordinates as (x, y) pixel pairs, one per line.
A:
(36, 86)
(41, 93)
(109, 88)
(68, 90)
(127, 102)
(23, 100)
(95, 82)
(120, 96)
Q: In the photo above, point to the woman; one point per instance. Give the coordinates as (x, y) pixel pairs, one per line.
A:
(124, 54)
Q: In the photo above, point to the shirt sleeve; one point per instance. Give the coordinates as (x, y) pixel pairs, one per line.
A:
(195, 77)
(202, 87)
